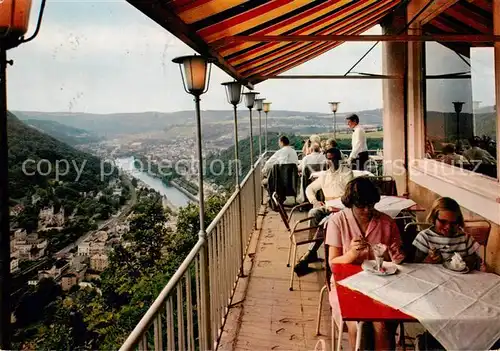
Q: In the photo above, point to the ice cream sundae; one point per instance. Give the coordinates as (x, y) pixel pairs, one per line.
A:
(457, 263)
(379, 252)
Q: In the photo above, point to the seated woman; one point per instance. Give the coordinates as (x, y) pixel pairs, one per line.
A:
(349, 235)
(446, 236)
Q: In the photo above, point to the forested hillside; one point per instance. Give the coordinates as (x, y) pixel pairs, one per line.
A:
(64, 133)
(46, 172)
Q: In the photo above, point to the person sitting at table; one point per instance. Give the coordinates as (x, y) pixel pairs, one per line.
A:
(307, 148)
(349, 235)
(286, 154)
(333, 183)
(316, 157)
(446, 236)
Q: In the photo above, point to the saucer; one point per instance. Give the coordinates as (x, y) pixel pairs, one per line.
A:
(446, 264)
(370, 266)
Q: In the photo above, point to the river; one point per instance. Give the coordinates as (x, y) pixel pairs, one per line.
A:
(173, 195)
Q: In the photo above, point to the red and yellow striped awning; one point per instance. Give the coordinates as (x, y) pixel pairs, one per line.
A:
(208, 26)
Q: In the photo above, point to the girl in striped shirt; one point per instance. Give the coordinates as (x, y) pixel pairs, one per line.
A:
(439, 242)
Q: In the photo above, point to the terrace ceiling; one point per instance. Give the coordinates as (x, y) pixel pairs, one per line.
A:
(208, 26)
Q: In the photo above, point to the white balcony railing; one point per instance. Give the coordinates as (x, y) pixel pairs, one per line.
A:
(189, 312)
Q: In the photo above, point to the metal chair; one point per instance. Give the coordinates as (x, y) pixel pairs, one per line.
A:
(298, 236)
(480, 231)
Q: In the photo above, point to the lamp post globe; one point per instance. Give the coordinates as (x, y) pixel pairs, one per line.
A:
(334, 105)
(250, 98)
(267, 106)
(233, 92)
(195, 73)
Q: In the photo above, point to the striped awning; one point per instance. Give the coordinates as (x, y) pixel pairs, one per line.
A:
(208, 26)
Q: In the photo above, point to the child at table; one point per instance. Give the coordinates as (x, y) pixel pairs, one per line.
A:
(349, 235)
(439, 242)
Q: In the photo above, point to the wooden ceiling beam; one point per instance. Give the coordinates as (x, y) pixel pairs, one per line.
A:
(432, 11)
(461, 38)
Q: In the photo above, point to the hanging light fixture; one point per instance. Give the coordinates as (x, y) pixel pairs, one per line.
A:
(233, 92)
(14, 20)
(195, 73)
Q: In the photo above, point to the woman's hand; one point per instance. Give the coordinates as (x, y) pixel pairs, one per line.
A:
(356, 246)
(434, 256)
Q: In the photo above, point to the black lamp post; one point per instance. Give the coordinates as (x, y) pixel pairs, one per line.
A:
(14, 19)
(334, 106)
(195, 73)
(267, 108)
(249, 102)
(458, 105)
(233, 93)
(259, 106)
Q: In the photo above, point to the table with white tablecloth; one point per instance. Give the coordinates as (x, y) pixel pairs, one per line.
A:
(462, 311)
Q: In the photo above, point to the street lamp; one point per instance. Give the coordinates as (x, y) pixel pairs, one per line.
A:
(249, 102)
(14, 19)
(259, 106)
(195, 73)
(233, 93)
(458, 108)
(334, 106)
(267, 108)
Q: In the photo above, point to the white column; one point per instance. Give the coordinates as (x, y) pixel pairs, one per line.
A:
(393, 93)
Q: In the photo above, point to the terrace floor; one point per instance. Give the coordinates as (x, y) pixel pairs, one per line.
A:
(264, 314)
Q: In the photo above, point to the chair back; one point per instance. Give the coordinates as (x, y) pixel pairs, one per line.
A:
(480, 231)
(281, 210)
(386, 184)
(284, 180)
(409, 234)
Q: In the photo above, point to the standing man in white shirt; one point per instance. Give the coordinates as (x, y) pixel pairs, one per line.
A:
(359, 153)
(286, 154)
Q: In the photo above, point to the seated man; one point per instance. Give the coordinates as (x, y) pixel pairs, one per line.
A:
(333, 184)
(286, 154)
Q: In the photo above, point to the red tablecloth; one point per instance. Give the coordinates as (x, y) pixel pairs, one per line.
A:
(355, 306)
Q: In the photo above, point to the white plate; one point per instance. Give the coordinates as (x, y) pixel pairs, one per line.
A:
(446, 264)
(371, 267)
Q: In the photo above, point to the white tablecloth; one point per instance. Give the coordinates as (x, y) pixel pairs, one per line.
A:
(390, 205)
(462, 311)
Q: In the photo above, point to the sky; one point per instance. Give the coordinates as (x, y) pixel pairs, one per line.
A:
(107, 57)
